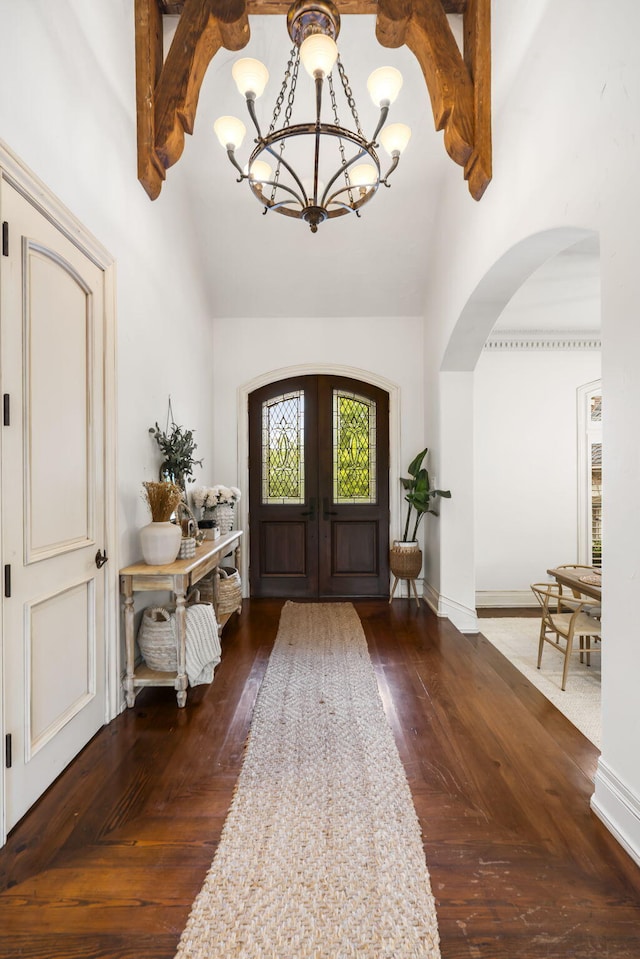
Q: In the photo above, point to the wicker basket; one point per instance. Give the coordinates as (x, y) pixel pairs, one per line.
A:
(229, 597)
(405, 563)
(157, 639)
(157, 633)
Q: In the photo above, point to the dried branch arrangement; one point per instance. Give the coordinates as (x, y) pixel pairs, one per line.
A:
(163, 499)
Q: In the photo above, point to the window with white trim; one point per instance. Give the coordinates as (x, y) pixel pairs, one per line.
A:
(590, 473)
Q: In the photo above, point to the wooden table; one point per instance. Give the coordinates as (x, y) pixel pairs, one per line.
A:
(571, 578)
(176, 577)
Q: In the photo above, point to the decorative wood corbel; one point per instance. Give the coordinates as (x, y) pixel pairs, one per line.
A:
(167, 93)
(459, 86)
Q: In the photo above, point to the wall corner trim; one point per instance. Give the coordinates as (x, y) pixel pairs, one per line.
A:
(463, 617)
(618, 807)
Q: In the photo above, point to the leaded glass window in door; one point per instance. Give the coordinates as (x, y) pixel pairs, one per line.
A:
(283, 449)
(354, 448)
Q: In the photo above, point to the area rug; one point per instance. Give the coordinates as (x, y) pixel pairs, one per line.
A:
(517, 639)
(321, 854)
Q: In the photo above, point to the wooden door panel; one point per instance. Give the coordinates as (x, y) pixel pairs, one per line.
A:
(58, 425)
(354, 548)
(52, 303)
(283, 548)
(282, 515)
(68, 615)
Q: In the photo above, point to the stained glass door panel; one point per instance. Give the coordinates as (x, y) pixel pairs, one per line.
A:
(319, 501)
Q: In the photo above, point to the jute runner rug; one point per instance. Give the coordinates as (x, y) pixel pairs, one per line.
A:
(321, 854)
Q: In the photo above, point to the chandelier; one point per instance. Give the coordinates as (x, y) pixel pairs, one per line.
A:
(335, 181)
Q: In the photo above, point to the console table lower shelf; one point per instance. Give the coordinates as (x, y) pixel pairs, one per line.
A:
(177, 578)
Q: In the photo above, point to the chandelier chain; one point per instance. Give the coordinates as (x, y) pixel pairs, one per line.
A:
(291, 73)
(349, 95)
(291, 70)
(336, 119)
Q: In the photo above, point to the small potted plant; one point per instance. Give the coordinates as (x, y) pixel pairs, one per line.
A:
(177, 446)
(406, 555)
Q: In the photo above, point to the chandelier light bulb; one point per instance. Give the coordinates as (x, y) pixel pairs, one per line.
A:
(384, 85)
(318, 54)
(230, 132)
(260, 171)
(250, 76)
(395, 137)
(363, 175)
(308, 188)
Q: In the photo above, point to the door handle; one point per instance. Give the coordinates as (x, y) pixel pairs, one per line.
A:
(325, 508)
(311, 512)
(101, 559)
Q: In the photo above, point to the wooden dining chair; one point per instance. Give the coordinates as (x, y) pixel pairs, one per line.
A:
(564, 618)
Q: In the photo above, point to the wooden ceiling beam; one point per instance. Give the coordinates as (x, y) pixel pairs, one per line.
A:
(453, 80)
(273, 7)
(167, 93)
(459, 84)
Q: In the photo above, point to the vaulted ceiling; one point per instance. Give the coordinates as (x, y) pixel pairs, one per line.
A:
(271, 266)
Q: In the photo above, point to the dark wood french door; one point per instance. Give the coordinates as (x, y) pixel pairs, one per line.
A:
(319, 488)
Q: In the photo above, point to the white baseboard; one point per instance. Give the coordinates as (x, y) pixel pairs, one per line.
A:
(618, 808)
(462, 617)
(505, 598)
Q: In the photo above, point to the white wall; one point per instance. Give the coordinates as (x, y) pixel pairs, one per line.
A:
(566, 155)
(526, 466)
(68, 112)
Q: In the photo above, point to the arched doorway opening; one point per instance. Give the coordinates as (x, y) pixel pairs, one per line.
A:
(475, 323)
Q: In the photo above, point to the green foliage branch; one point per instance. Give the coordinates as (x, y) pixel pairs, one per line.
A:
(177, 447)
(419, 495)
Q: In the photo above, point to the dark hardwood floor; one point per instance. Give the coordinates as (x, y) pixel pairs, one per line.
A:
(108, 862)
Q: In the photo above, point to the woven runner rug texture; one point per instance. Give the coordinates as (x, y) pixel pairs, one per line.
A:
(321, 854)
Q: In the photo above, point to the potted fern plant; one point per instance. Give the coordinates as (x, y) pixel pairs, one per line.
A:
(406, 555)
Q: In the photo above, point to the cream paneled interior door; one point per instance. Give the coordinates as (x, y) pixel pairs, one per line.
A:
(52, 312)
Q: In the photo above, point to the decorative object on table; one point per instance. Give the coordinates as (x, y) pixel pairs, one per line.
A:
(160, 540)
(229, 598)
(157, 639)
(314, 27)
(218, 503)
(177, 446)
(405, 557)
(189, 527)
(210, 529)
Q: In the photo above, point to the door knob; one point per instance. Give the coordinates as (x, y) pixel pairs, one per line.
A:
(312, 509)
(101, 559)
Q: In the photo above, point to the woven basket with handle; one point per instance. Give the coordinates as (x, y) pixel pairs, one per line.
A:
(229, 597)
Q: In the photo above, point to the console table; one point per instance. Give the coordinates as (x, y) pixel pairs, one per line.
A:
(176, 577)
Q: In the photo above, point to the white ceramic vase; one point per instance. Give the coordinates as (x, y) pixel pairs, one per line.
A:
(160, 543)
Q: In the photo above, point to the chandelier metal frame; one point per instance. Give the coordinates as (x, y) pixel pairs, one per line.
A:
(310, 200)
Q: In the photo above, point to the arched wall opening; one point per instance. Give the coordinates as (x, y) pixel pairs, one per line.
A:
(457, 598)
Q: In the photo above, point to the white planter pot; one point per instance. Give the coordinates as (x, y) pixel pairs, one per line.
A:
(411, 545)
(160, 543)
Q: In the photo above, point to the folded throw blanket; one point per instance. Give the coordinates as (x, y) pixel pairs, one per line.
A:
(202, 643)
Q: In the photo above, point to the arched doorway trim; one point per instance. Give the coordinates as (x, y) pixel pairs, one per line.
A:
(495, 289)
(304, 369)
